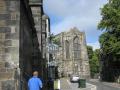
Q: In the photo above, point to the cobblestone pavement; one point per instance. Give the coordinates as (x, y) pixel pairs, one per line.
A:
(105, 85)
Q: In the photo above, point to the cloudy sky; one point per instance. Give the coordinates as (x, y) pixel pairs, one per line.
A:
(83, 14)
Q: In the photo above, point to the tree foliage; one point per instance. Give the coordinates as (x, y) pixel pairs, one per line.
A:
(54, 39)
(90, 51)
(110, 16)
(93, 60)
(110, 24)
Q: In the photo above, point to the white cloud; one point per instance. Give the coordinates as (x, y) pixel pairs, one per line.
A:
(84, 14)
(95, 45)
(65, 8)
(81, 13)
(69, 22)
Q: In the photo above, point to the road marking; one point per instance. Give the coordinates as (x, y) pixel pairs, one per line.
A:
(68, 82)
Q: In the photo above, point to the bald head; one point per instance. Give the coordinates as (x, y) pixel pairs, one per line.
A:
(35, 73)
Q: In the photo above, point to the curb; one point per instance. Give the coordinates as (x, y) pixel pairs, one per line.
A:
(89, 87)
(109, 84)
(106, 83)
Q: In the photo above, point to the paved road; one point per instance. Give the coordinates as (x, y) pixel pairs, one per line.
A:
(104, 86)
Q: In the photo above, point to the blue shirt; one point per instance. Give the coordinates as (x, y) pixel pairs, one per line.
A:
(34, 83)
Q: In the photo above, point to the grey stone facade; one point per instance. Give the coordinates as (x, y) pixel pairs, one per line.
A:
(9, 43)
(9, 31)
(23, 34)
(42, 26)
(72, 55)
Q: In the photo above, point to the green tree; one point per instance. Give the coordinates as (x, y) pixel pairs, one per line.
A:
(94, 64)
(110, 24)
(90, 51)
(110, 40)
(93, 60)
(110, 16)
(54, 39)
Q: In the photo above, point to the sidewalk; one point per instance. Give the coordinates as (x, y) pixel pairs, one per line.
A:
(67, 85)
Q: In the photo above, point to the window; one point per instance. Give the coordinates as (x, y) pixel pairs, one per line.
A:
(67, 45)
(76, 47)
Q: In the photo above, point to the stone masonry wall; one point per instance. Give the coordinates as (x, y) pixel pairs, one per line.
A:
(9, 29)
(74, 53)
(9, 43)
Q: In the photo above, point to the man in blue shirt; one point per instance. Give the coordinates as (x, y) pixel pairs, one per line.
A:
(35, 83)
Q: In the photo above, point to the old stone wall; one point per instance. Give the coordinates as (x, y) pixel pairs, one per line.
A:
(9, 43)
(26, 41)
(9, 30)
(22, 42)
(16, 43)
(41, 25)
(73, 52)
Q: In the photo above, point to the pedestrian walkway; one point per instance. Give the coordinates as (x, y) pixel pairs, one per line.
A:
(67, 85)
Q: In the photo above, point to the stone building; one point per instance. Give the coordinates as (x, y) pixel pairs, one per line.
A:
(72, 56)
(42, 26)
(23, 37)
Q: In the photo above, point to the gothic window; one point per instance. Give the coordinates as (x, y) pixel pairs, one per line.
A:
(76, 47)
(43, 26)
(67, 49)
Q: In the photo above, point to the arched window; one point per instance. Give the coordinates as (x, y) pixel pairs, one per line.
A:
(76, 46)
(67, 45)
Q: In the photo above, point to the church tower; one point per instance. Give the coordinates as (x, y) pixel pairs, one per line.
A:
(73, 53)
